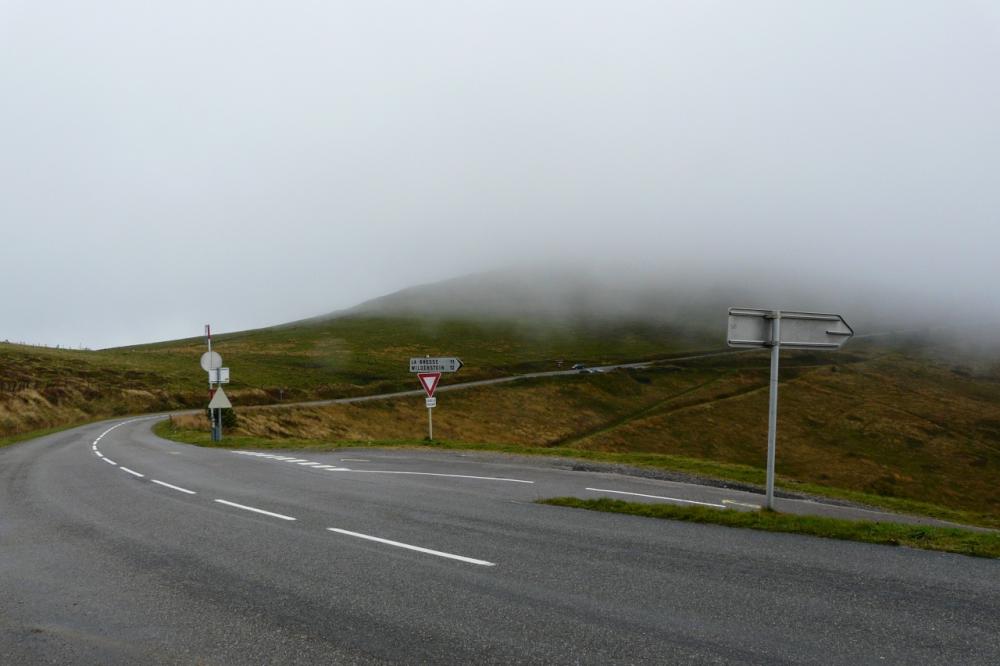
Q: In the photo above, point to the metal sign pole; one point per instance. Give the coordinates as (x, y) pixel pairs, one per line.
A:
(211, 412)
(772, 410)
(430, 424)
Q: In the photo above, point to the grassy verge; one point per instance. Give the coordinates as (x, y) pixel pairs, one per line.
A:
(708, 469)
(949, 540)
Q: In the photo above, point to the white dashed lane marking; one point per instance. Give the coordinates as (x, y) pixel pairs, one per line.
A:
(255, 510)
(131, 471)
(173, 487)
(418, 549)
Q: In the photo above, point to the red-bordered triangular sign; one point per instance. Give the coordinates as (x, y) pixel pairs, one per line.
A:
(429, 380)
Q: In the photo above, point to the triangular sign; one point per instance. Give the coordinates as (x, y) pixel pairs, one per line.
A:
(429, 380)
(219, 400)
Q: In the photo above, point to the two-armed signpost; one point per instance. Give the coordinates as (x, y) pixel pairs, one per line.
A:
(428, 371)
(789, 330)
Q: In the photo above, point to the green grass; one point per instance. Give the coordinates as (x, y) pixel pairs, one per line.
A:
(330, 358)
(885, 423)
(950, 540)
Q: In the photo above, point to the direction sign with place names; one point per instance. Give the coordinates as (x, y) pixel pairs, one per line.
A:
(780, 329)
(439, 364)
(429, 381)
(799, 330)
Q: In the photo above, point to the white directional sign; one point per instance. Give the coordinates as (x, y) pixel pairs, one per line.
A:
(220, 400)
(431, 403)
(779, 330)
(441, 364)
(211, 361)
(799, 330)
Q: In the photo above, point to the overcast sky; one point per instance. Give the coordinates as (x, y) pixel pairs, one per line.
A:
(245, 163)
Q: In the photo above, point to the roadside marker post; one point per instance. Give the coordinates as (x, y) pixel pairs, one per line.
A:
(792, 330)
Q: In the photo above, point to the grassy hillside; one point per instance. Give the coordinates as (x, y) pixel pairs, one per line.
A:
(898, 418)
(350, 355)
(874, 421)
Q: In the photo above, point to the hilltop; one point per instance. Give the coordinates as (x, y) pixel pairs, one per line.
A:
(500, 323)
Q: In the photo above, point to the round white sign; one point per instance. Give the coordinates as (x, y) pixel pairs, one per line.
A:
(211, 361)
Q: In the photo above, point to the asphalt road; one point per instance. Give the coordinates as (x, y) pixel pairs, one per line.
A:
(119, 547)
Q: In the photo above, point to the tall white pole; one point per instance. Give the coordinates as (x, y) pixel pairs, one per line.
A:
(430, 424)
(772, 411)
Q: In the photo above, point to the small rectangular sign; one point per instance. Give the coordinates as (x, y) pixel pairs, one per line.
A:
(438, 364)
(218, 376)
(431, 403)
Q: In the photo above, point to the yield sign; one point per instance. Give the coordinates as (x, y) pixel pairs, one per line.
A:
(429, 380)
(220, 400)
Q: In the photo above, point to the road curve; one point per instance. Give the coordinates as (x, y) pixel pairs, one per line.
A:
(120, 547)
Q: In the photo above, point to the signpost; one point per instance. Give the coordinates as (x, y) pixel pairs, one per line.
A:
(442, 364)
(429, 382)
(211, 362)
(429, 371)
(790, 330)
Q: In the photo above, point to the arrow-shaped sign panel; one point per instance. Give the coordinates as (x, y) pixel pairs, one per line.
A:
(439, 364)
(429, 380)
(799, 330)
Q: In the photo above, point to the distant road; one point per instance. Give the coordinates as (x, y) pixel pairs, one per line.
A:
(120, 547)
(500, 380)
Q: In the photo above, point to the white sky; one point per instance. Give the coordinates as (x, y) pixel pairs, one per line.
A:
(168, 164)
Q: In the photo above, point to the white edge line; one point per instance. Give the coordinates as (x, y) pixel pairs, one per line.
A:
(108, 460)
(167, 485)
(669, 499)
(734, 502)
(250, 508)
(130, 471)
(453, 476)
(418, 549)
